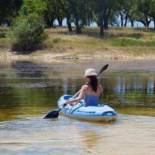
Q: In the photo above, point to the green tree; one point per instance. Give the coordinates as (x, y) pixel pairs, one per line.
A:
(78, 13)
(125, 11)
(143, 8)
(9, 10)
(74, 11)
(33, 6)
(104, 11)
(89, 11)
(27, 33)
(59, 11)
(49, 15)
(55, 10)
(68, 12)
(152, 10)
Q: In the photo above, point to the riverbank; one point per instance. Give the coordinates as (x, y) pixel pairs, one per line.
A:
(124, 49)
(115, 65)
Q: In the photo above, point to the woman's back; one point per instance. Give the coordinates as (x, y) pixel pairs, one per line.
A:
(91, 97)
(89, 92)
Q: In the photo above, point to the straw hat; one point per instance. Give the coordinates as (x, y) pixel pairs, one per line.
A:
(90, 72)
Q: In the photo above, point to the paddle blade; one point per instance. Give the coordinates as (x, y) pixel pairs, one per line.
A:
(103, 69)
(52, 114)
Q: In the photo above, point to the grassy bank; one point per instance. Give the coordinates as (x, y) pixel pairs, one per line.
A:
(117, 44)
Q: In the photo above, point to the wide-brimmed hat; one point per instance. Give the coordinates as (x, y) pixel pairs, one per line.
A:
(90, 72)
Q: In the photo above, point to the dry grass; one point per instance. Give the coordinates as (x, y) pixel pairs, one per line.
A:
(118, 44)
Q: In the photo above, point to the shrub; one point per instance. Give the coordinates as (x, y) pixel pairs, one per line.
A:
(27, 33)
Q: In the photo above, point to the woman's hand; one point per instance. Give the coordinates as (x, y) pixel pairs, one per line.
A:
(72, 103)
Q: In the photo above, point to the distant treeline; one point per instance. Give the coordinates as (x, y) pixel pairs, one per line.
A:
(82, 12)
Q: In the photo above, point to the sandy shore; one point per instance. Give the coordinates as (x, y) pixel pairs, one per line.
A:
(83, 61)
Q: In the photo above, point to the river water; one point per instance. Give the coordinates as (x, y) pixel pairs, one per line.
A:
(29, 90)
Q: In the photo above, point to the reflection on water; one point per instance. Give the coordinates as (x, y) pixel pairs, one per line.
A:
(133, 89)
(27, 69)
(27, 88)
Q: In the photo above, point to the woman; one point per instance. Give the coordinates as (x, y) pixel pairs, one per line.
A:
(90, 92)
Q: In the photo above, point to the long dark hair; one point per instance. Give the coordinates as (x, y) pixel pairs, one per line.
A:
(93, 82)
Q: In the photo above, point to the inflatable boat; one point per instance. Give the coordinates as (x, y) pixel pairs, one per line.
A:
(87, 113)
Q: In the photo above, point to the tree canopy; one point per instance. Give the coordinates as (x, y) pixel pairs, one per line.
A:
(80, 13)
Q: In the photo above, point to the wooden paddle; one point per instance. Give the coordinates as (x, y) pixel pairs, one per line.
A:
(55, 113)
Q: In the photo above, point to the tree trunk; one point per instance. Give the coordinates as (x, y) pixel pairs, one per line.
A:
(147, 22)
(126, 20)
(78, 27)
(101, 26)
(143, 22)
(105, 22)
(69, 24)
(154, 22)
(100, 22)
(88, 22)
(121, 20)
(49, 23)
(106, 16)
(101, 30)
(60, 21)
(132, 23)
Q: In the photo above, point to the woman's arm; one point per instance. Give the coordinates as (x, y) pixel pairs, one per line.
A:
(80, 96)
